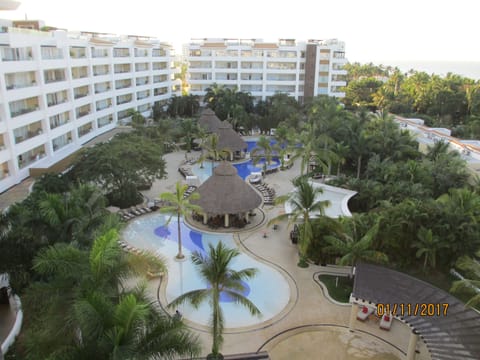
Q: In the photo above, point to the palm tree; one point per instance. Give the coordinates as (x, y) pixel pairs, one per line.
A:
(216, 271)
(341, 151)
(202, 136)
(304, 201)
(471, 282)
(213, 150)
(264, 150)
(354, 246)
(179, 205)
(83, 310)
(427, 245)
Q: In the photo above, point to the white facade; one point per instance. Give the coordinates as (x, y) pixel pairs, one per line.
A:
(59, 90)
(264, 69)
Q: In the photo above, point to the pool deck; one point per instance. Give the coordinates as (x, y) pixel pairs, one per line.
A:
(312, 327)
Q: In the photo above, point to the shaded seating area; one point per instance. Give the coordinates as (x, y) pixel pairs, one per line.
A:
(226, 199)
(449, 329)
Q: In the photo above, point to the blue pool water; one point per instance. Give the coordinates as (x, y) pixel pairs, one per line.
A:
(244, 169)
(269, 290)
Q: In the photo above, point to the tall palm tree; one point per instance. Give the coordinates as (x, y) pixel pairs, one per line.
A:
(354, 246)
(304, 201)
(216, 271)
(179, 205)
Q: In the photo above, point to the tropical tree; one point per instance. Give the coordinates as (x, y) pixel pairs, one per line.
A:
(83, 308)
(471, 282)
(427, 246)
(179, 204)
(304, 202)
(353, 246)
(215, 269)
(120, 167)
(263, 149)
(213, 148)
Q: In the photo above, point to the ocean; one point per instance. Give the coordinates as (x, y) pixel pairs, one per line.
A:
(469, 69)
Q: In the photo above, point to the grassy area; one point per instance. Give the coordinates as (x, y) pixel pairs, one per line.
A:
(341, 292)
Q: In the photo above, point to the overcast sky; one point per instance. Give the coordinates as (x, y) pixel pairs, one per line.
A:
(373, 30)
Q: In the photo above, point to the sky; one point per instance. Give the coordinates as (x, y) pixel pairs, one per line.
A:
(375, 31)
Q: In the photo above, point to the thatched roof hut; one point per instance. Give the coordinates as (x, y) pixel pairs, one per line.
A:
(225, 192)
(209, 121)
(229, 138)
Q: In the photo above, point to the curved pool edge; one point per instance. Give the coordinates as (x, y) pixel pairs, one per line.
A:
(161, 292)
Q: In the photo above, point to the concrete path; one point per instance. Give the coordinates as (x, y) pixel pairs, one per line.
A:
(311, 326)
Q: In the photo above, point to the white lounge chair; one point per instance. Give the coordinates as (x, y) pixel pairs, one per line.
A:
(364, 313)
(386, 322)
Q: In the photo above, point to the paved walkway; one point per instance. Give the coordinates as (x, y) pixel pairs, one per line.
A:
(311, 326)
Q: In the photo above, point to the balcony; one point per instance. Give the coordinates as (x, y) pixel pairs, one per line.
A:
(159, 52)
(99, 53)
(83, 111)
(27, 132)
(121, 52)
(59, 120)
(61, 141)
(16, 54)
(84, 129)
(99, 70)
(51, 53)
(142, 81)
(31, 156)
(141, 67)
(79, 72)
(121, 68)
(57, 98)
(20, 80)
(123, 99)
(78, 52)
(103, 104)
(104, 120)
(159, 66)
(23, 106)
(141, 52)
(143, 94)
(102, 87)
(123, 84)
(52, 76)
(80, 92)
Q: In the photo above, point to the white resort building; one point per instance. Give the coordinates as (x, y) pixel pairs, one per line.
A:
(59, 89)
(300, 69)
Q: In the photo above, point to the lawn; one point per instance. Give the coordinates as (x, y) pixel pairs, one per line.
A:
(341, 292)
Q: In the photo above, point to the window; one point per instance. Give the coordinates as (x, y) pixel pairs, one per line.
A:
(61, 141)
(54, 75)
(56, 98)
(78, 52)
(121, 52)
(20, 80)
(51, 52)
(59, 119)
(16, 54)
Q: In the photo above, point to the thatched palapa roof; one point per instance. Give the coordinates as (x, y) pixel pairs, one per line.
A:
(225, 192)
(209, 121)
(229, 138)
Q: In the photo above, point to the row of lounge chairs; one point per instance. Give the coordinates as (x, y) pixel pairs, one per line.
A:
(130, 213)
(128, 248)
(268, 193)
(189, 191)
(185, 171)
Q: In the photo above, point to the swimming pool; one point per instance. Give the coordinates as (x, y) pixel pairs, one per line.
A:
(269, 290)
(244, 169)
